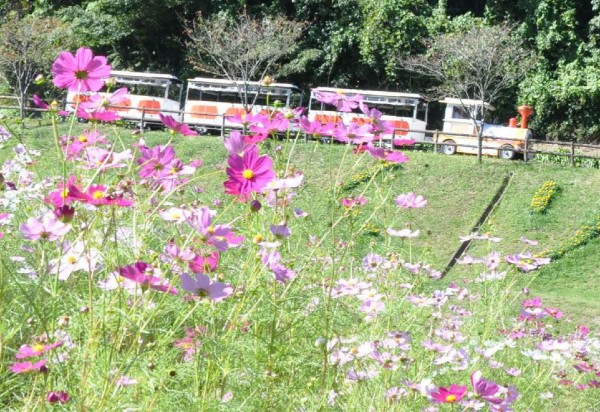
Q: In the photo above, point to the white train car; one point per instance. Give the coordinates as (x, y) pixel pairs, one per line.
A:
(210, 102)
(149, 95)
(407, 112)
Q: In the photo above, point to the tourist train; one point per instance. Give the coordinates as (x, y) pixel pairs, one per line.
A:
(220, 104)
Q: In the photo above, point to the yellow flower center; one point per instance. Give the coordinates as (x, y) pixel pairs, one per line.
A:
(451, 398)
(248, 174)
(210, 230)
(98, 194)
(71, 260)
(65, 193)
(83, 138)
(37, 347)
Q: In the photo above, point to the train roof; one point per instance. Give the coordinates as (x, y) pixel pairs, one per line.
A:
(224, 83)
(143, 77)
(466, 102)
(370, 92)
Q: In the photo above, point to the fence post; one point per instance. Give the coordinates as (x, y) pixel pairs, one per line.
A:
(142, 122)
(572, 153)
(223, 127)
(435, 140)
(525, 155)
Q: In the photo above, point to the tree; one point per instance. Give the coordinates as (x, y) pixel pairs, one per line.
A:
(479, 64)
(28, 47)
(242, 49)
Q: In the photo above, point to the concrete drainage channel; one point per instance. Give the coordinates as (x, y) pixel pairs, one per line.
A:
(486, 213)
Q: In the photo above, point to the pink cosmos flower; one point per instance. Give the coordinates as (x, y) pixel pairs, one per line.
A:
(348, 202)
(248, 173)
(411, 201)
(554, 312)
(452, 394)
(484, 388)
(264, 125)
(404, 142)
(315, 129)
(235, 143)
(353, 133)
(22, 367)
(26, 351)
(141, 273)
(105, 100)
(176, 127)
(98, 115)
(341, 101)
(97, 195)
(528, 241)
(43, 105)
(526, 261)
(49, 228)
(201, 285)
(385, 155)
(202, 263)
(220, 236)
(82, 73)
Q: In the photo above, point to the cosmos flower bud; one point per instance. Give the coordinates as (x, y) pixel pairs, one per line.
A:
(64, 213)
(268, 80)
(57, 397)
(255, 205)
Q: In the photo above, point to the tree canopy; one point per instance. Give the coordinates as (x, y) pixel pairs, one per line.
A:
(354, 43)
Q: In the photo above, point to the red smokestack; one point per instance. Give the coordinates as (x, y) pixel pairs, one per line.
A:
(525, 111)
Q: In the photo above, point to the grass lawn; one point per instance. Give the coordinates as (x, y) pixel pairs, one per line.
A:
(268, 340)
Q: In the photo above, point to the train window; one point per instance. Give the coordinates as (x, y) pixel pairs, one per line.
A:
(459, 112)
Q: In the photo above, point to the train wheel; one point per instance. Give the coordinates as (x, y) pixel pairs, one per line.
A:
(448, 149)
(506, 152)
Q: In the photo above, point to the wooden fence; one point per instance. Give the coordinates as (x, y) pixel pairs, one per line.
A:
(531, 147)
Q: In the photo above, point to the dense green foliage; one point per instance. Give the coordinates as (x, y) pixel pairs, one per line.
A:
(354, 43)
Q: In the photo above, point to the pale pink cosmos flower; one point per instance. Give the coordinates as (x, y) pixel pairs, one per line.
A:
(49, 228)
(201, 285)
(528, 241)
(126, 381)
(174, 214)
(411, 201)
(81, 72)
(406, 233)
(349, 202)
(76, 257)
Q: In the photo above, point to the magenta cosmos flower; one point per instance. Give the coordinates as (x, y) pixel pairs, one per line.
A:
(484, 388)
(248, 173)
(452, 394)
(82, 72)
(141, 273)
(176, 127)
(201, 285)
(385, 155)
